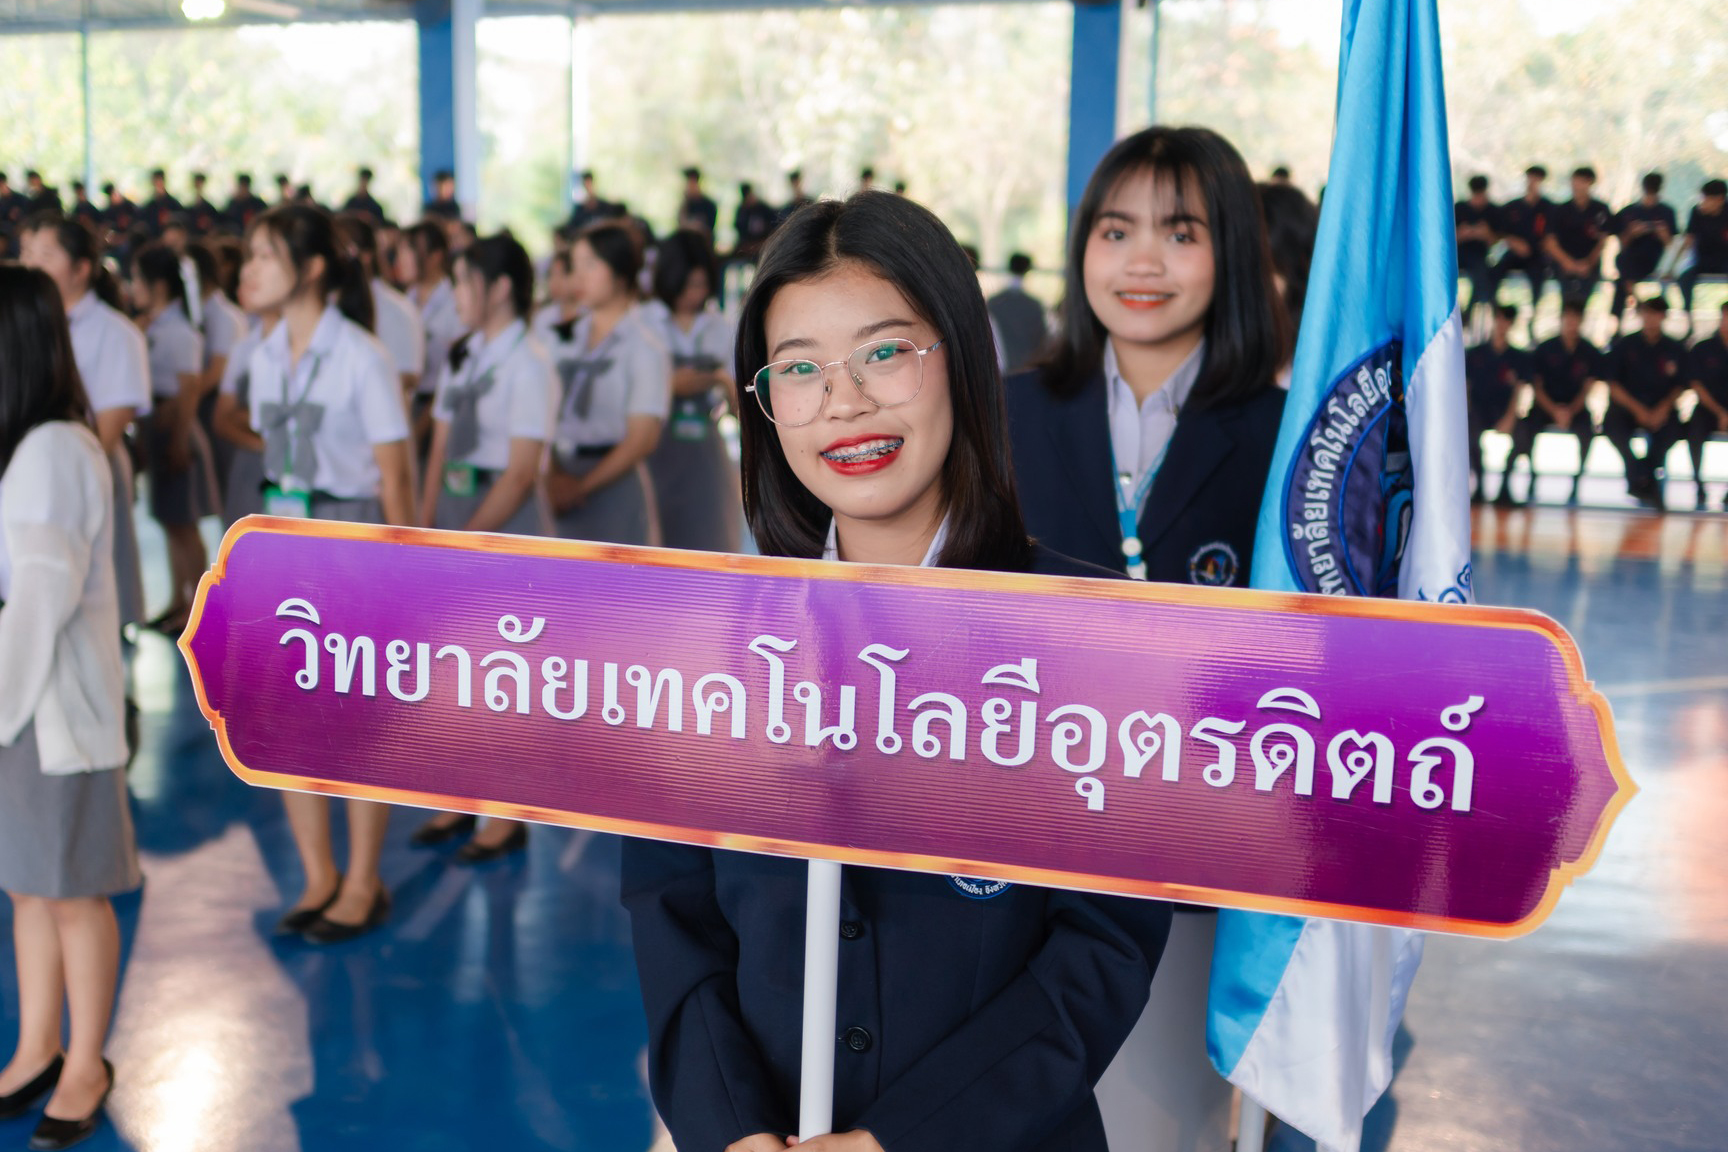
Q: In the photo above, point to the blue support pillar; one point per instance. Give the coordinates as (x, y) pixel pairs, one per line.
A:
(1092, 90)
(449, 128)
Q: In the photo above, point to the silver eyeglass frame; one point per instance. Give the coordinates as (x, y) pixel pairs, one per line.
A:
(827, 388)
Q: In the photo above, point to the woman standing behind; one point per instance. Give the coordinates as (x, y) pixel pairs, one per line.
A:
(177, 454)
(493, 419)
(326, 401)
(617, 386)
(113, 363)
(1144, 445)
(695, 485)
(244, 493)
(66, 840)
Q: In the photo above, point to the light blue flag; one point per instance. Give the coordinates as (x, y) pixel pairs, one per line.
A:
(1368, 496)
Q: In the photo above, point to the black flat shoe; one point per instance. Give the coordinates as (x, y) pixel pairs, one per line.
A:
(300, 919)
(53, 1134)
(326, 931)
(476, 853)
(19, 1102)
(433, 833)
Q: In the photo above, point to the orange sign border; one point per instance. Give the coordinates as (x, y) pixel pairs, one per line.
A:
(1512, 619)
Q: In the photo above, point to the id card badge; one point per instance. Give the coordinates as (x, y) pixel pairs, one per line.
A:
(690, 420)
(291, 502)
(461, 479)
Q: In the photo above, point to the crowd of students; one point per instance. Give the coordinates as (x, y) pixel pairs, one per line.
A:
(1566, 241)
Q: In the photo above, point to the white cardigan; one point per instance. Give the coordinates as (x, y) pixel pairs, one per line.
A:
(60, 661)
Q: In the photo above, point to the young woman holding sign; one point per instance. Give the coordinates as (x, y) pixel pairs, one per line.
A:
(66, 840)
(1144, 444)
(493, 416)
(326, 400)
(973, 1014)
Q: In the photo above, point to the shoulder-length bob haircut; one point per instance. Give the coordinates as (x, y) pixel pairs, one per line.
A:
(39, 378)
(905, 244)
(1247, 329)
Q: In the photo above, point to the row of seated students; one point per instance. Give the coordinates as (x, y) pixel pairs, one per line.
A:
(1646, 372)
(1566, 240)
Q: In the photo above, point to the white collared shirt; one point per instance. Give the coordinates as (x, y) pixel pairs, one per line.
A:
(224, 324)
(706, 346)
(831, 550)
(1140, 431)
(112, 356)
(443, 327)
(628, 374)
(398, 326)
(521, 403)
(347, 373)
(176, 349)
(237, 377)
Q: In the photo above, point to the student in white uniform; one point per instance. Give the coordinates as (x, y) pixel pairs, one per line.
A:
(695, 484)
(325, 397)
(494, 417)
(616, 378)
(396, 321)
(66, 839)
(555, 323)
(177, 455)
(114, 363)
(427, 257)
(223, 324)
(244, 494)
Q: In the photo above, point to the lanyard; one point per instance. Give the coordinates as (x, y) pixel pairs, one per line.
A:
(1130, 498)
(289, 410)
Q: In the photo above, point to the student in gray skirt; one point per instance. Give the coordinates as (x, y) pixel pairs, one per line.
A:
(327, 403)
(243, 495)
(66, 839)
(493, 418)
(695, 481)
(616, 377)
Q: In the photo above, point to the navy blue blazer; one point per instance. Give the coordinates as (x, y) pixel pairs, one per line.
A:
(1197, 526)
(969, 1018)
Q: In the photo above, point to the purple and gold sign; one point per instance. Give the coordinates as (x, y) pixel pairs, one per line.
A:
(1431, 766)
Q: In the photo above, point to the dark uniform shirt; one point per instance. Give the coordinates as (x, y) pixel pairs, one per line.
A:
(1579, 229)
(242, 210)
(1464, 213)
(1494, 377)
(1562, 374)
(1640, 255)
(444, 209)
(363, 204)
(1709, 240)
(1650, 372)
(582, 214)
(87, 212)
(204, 217)
(1527, 221)
(1707, 364)
(158, 212)
(754, 222)
(700, 211)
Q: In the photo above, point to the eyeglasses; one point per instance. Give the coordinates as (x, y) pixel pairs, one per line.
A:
(886, 372)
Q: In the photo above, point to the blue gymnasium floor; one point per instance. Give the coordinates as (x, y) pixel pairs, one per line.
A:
(498, 1008)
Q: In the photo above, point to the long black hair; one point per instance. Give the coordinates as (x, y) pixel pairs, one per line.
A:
(677, 258)
(618, 247)
(905, 244)
(502, 257)
(39, 379)
(307, 232)
(1292, 222)
(156, 263)
(78, 240)
(1247, 330)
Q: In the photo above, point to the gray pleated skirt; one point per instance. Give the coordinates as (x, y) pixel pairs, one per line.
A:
(620, 513)
(360, 511)
(696, 492)
(245, 493)
(532, 519)
(183, 497)
(63, 836)
(128, 567)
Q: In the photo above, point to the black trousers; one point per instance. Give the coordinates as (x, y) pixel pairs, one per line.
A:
(1699, 429)
(1483, 278)
(1626, 286)
(1483, 415)
(1535, 269)
(1688, 281)
(1619, 426)
(1524, 435)
(1578, 288)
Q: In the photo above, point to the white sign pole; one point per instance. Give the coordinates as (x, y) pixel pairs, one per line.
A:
(821, 991)
(1250, 1126)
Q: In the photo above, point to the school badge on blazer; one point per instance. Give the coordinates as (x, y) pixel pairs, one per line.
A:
(1214, 565)
(974, 888)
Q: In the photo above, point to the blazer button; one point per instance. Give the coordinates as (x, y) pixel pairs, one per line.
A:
(856, 1039)
(851, 930)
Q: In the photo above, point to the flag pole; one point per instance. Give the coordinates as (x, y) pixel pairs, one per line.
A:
(821, 991)
(1250, 1125)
